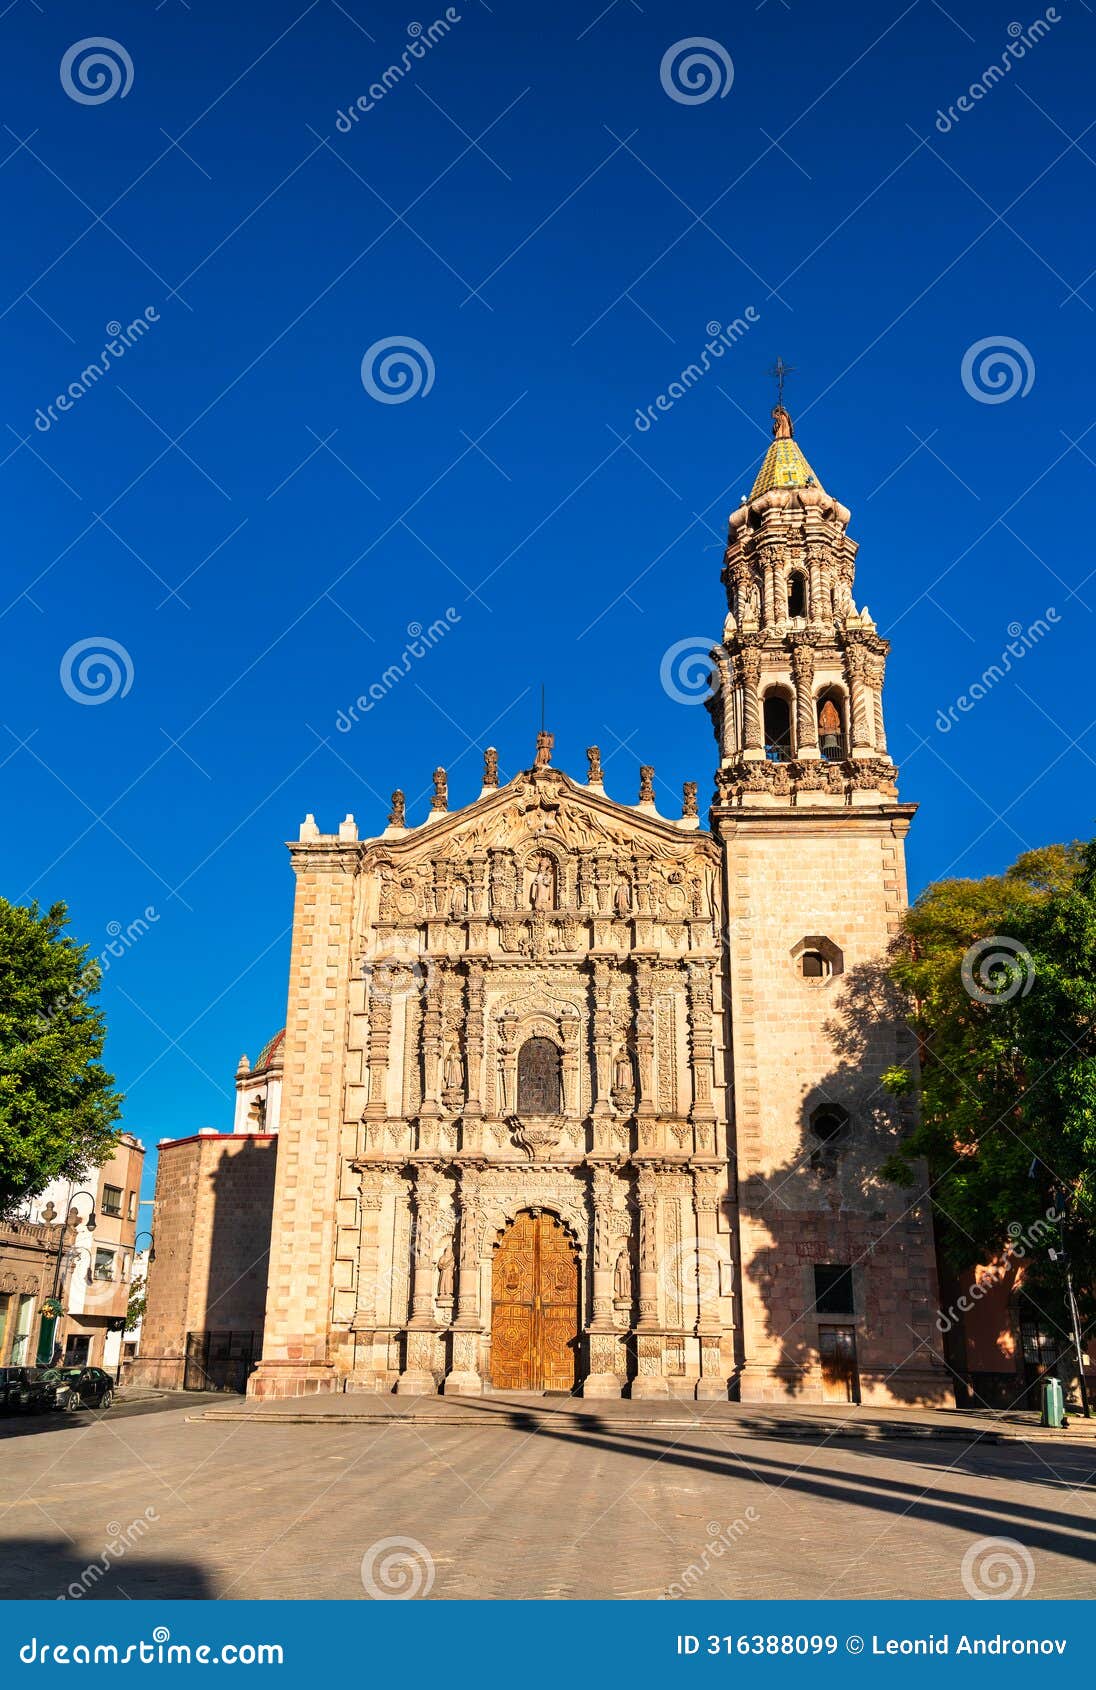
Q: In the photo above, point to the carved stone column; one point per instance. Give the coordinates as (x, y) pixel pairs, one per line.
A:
(645, 1036)
(380, 1031)
(805, 720)
(417, 1379)
(432, 1039)
(650, 1380)
(463, 1378)
(707, 1189)
(876, 669)
(749, 672)
(702, 1057)
(770, 556)
(603, 1037)
(856, 659)
(473, 1041)
(607, 1367)
(819, 597)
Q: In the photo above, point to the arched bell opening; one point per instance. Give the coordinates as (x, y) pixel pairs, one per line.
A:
(540, 1077)
(797, 593)
(832, 738)
(777, 718)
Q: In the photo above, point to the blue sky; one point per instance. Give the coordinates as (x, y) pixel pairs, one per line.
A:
(531, 205)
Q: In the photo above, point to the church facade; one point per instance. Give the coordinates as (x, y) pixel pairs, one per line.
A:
(579, 1097)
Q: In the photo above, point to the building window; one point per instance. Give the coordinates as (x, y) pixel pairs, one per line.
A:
(833, 1290)
(111, 1200)
(77, 1350)
(830, 1123)
(131, 1207)
(797, 594)
(778, 728)
(20, 1342)
(538, 1078)
(817, 958)
(104, 1264)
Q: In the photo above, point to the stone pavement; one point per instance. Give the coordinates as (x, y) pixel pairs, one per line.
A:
(594, 1504)
(530, 1412)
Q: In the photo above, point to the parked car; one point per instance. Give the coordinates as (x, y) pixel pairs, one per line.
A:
(79, 1387)
(24, 1391)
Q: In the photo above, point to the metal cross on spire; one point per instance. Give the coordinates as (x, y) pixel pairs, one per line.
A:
(779, 371)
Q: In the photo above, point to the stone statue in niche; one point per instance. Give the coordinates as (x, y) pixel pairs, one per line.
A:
(542, 892)
(622, 1278)
(447, 1268)
(458, 898)
(454, 1071)
(622, 900)
(842, 601)
(750, 602)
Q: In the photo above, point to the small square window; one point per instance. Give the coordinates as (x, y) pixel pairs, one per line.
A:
(833, 1290)
(111, 1202)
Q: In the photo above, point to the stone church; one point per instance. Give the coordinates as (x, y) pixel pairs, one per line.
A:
(575, 1096)
(580, 1097)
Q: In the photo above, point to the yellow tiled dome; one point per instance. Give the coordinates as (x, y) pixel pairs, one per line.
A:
(784, 466)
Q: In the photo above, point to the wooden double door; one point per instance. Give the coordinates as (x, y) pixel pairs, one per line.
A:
(534, 1306)
(840, 1374)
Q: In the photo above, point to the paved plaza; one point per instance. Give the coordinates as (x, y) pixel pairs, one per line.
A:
(160, 1502)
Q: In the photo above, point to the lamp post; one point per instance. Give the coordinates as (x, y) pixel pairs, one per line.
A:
(89, 1225)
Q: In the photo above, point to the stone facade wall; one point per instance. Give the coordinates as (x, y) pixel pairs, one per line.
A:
(212, 1220)
(801, 1044)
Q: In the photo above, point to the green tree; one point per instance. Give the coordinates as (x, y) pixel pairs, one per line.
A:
(1000, 977)
(138, 1302)
(57, 1102)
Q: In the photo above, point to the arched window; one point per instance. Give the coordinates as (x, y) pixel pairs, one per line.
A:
(831, 728)
(778, 728)
(538, 1078)
(797, 594)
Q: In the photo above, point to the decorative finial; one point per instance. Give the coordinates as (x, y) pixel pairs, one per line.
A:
(545, 742)
(646, 784)
(782, 422)
(594, 775)
(440, 800)
(688, 799)
(490, 767)
(398, 815)
(780, 371)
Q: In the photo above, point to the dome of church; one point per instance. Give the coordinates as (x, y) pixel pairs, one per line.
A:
(270, 1049)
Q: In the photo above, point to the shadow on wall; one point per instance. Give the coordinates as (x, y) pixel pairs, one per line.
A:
(223, 1353)
(828, 1207)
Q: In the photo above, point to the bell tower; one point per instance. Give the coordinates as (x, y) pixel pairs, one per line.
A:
(836, 1270)
(798, 710)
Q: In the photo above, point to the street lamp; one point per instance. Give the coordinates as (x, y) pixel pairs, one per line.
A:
(151, 1244)
(89, 1225)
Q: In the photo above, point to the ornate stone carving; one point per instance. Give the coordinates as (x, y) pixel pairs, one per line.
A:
(398, 814)
(593, 759)
(490, 767)
(440, 800)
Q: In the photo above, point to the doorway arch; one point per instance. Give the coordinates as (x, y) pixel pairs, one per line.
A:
(534, 1305)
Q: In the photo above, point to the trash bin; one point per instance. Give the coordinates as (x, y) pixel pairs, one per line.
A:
(1054, 1407)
